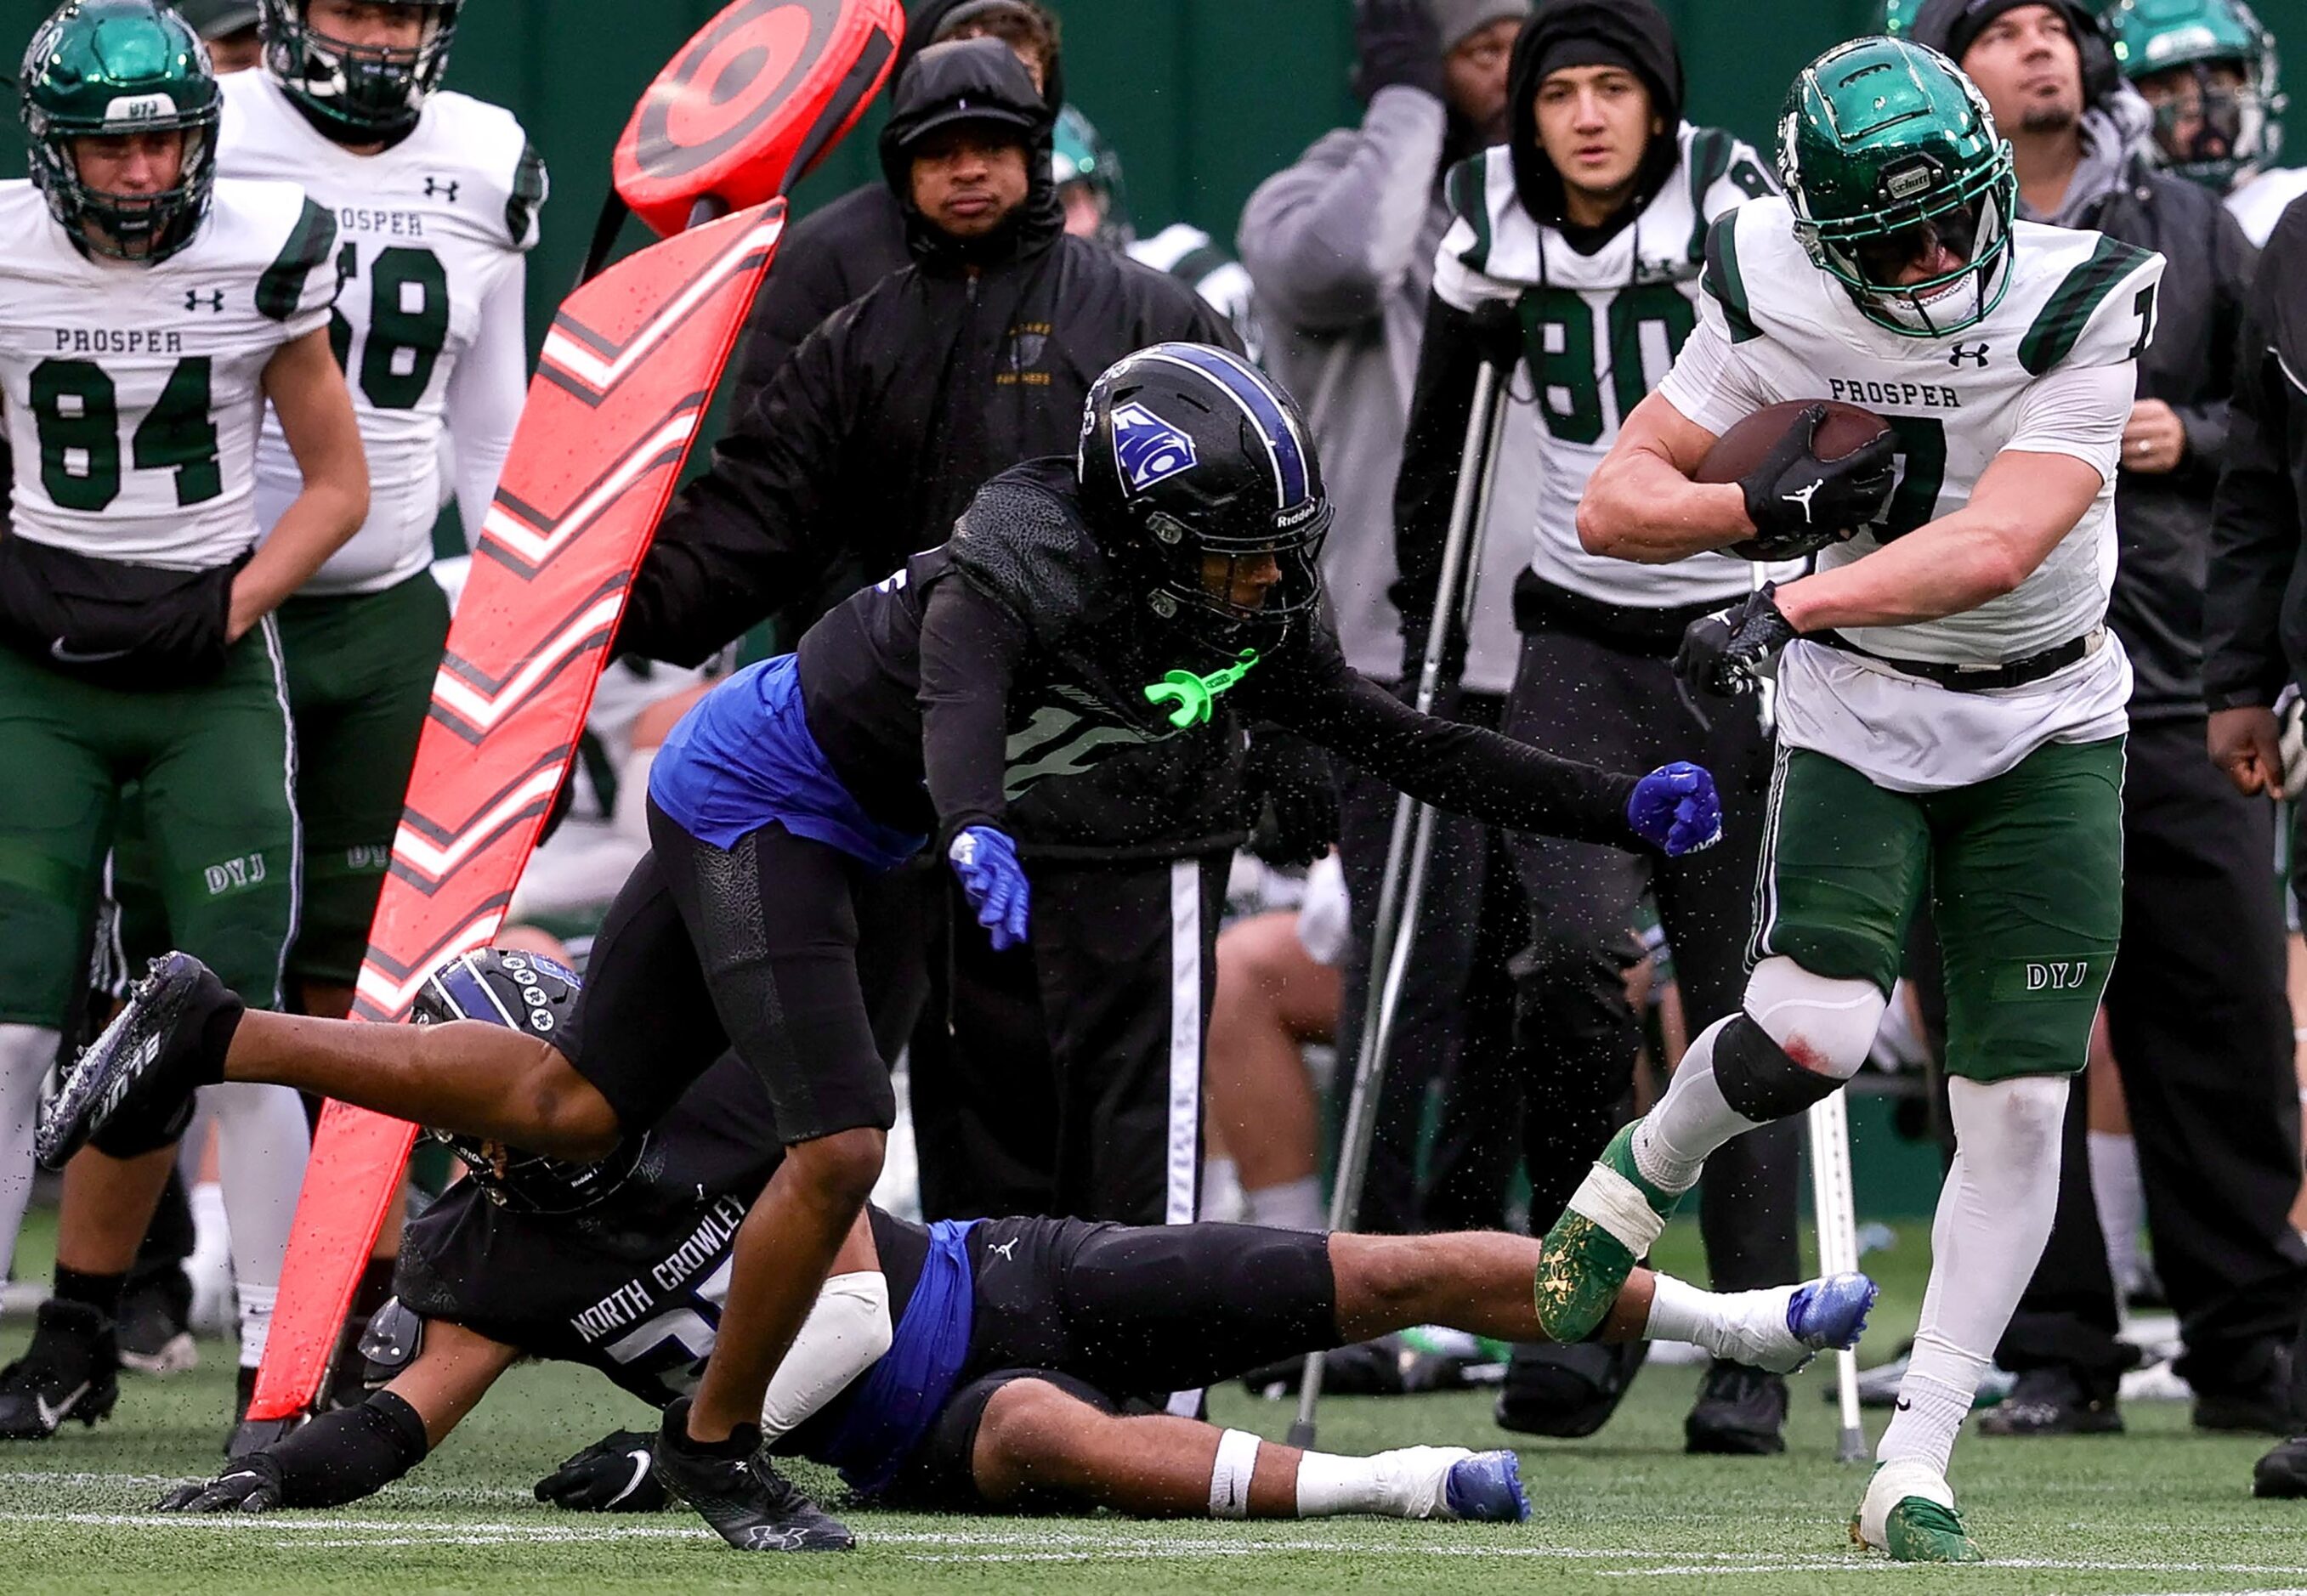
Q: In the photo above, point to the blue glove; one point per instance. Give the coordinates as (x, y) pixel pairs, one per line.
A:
(1675, 809)
(993, 882)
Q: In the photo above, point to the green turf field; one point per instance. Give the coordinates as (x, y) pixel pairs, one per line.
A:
(2161, 1510)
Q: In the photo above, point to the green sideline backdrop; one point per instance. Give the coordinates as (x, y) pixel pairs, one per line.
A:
(1203, 98)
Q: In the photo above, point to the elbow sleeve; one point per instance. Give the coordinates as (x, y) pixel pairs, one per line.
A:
(845, 1335)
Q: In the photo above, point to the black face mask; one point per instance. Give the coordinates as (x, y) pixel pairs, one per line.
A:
(1882, 260)
(2218, 113)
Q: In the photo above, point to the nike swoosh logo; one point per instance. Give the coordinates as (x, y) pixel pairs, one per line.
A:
(1903, 1404)
(50, 1417)
(67, 656)
(640, 1472)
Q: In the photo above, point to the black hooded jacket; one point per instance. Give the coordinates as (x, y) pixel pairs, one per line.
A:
(835, 253)
(1634, 28)
(875, 436)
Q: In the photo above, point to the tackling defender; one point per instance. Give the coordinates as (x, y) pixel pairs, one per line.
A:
(149, 310)
(1017, 1343)
(1950, 704)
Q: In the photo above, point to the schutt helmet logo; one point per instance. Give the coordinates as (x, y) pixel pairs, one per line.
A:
(1148, 448)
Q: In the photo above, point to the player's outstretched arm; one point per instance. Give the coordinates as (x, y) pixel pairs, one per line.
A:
(1640, 504)
(308, 395)
(356, 1452)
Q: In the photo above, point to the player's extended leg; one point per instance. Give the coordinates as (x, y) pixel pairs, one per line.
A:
(1272, 998)
(2027, 891)
(1842, 869)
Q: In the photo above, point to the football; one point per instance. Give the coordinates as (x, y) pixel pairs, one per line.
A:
(1739, 450)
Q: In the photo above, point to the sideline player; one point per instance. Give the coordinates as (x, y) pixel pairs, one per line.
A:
(1157, 584)
(148, 311)
(1012, 1397)
(2210, 70)
(1951, 704)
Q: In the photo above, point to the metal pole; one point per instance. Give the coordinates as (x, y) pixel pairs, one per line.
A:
(1404, 883)
(1836, 1204)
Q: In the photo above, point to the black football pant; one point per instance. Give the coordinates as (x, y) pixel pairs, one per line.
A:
(2201, 1030)
(1065, 1078)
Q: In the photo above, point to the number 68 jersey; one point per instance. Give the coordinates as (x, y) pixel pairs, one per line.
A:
(428, 322)
(134, 390)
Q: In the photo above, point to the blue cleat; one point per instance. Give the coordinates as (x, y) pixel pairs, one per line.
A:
(1487, 1488)
(1830, 1314)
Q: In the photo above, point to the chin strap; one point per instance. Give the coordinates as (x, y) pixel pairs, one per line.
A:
(1195, 697)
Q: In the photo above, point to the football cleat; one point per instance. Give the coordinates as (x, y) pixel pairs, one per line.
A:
(1612, 1219)
(71, 1370)
(1487, 1488)
(747, 1503)
(148, 1063)
(1830, 1314)
(1908, 1514)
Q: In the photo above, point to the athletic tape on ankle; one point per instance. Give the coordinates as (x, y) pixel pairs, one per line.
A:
(1229, 1476)
(1617, 1205)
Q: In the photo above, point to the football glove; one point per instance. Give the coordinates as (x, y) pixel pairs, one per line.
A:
(1676, 809)
(1800, 503)
(1724, 652)
(612, 1475)
(1396, 42)
(251, 1485)
(994, 883)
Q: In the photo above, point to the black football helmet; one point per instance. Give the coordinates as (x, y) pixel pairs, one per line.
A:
(1187, 453)
(524, 992)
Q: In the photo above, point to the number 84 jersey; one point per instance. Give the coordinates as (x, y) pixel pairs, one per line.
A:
(431, 234)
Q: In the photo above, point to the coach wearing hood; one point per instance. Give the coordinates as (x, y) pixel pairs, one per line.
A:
(2196, 1009)
(1591, 221)
(862, 451)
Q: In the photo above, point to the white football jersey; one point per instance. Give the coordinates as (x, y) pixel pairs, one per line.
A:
(134, 391)
(1601, 332)
(2258, 205)
(2051, 370)
(426, 233)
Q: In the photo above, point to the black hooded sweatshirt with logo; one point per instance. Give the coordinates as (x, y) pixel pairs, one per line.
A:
(875, 436)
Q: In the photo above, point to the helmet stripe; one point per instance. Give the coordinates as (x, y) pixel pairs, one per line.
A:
(469, 996)
(1268, 413)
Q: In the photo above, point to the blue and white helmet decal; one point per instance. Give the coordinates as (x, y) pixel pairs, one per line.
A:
(1147, 448)
(1272, 422)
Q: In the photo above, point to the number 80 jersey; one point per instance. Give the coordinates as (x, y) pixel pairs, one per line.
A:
(428, 233)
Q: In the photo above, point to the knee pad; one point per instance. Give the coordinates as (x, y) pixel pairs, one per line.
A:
(1759, 1079)
(1824, 1025)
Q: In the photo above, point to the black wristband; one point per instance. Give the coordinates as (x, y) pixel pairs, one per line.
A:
(353, 1452)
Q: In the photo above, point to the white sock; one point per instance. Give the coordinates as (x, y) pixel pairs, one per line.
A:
(209, 1266)
(1748, 1326)
(1994, 1218)
(26, 1052)
(262, 1141)
(1223, 1198)
(1294, 1204)
(255, 1322)
(1409, 1482)
(2121, 1199)
(1674, 1140)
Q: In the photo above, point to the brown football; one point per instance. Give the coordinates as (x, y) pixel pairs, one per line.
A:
(1739, 450)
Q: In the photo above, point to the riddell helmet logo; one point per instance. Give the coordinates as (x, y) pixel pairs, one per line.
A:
(1147, 448)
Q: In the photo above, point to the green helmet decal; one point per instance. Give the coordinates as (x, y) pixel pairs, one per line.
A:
(2213, 131)
(1080, 154)
(1891, 160)
(105, 69)
(354, 92)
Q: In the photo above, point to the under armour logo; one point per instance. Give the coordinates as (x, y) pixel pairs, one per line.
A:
(1804, 499)
(214, 299)
(1958, 354)
(435, 187)
(1008, 1249)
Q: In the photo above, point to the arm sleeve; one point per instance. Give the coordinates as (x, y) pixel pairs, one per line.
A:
(353, 1452)
(485, 393)
(970, 647)
(2078, 411)
(1328, 239)
(743, 537)
(2255, 518)
(1711, 384)
(845, 1335)
(1441, 408)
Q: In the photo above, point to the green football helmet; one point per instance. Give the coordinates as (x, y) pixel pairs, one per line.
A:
(103, 69)
(2225, 133)
(1080, 154)
(1890, 157)
(357, 93)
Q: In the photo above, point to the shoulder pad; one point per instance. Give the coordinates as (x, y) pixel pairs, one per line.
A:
(394, 1336)
(1030, 551)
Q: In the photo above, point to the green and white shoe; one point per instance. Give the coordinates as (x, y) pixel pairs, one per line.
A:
(1909, 1515)
(1613, 1218)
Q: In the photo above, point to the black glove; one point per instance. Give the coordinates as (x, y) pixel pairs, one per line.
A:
(251, 1485)
(612, 1475)
(1396, 42)
(1294, 796)
(1721, 652)
(1800, 503)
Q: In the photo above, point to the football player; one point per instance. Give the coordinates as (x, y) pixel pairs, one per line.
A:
(2209, 69)
(149, 310)
(1155, 585)
(981, 1366)
(1951, 704)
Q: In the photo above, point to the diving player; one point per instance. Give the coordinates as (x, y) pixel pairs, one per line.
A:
(1951, 704)
(1016, 1342)
(149, 310)
(1157, 584)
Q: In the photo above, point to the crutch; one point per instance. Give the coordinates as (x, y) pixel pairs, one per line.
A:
(1403, 885)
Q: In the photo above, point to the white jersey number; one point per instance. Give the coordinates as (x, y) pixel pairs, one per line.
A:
(76, 410)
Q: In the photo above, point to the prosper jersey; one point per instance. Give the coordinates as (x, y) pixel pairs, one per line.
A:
(427, 231)
(2050, 370)
(134, 391)
(1599, 330)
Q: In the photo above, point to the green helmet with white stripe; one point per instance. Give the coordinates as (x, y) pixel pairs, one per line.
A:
(1902, 189)
(112, 69)
(2223, 131)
